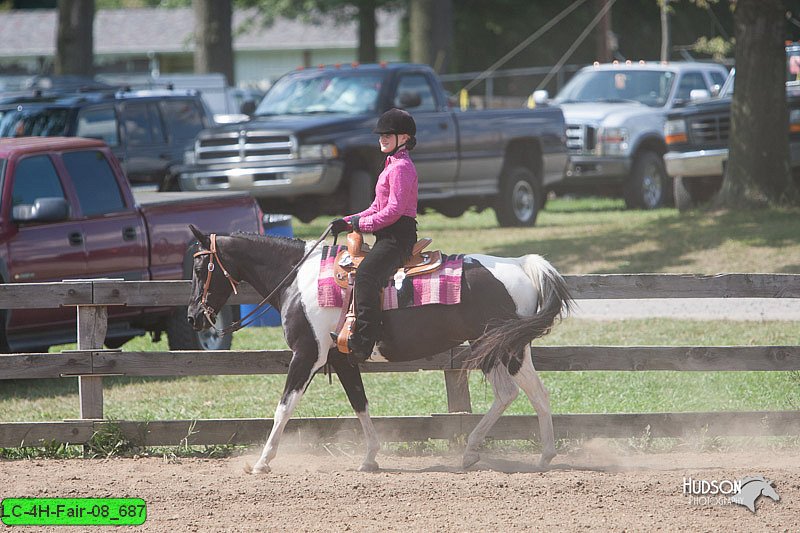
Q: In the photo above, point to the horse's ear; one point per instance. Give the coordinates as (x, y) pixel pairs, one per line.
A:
(201, 238)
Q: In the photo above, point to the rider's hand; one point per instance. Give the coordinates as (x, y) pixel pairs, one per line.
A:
(340, 225)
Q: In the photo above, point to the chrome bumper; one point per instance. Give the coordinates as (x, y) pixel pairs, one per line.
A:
(696, 164)
(266, 181)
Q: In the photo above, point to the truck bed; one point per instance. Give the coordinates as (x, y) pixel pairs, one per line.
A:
(154, 198)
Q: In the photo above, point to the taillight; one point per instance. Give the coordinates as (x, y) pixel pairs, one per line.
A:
(260, 213)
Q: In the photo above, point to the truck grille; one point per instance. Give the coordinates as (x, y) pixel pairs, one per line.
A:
(581, 138)
(710, 130)
(245, 146)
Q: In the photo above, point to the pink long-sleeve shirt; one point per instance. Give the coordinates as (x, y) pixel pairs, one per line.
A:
(395, 194)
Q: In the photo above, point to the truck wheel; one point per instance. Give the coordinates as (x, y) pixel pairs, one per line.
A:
(361, 191)
(520, 198)
(181, 336)
(648, 184)
(682, 194)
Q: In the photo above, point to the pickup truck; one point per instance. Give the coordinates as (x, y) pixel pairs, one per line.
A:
(67, 212)
(697, 137)
(615, 117)
(309, 149)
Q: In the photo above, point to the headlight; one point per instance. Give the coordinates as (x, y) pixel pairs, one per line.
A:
(318, 151)
(613, 141)
(675, 132)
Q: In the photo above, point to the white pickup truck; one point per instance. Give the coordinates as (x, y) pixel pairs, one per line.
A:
(615, 115)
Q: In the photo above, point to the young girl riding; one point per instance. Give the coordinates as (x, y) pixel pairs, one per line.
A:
(392, 219)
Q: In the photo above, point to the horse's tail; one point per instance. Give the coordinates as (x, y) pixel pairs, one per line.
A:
(504, 340)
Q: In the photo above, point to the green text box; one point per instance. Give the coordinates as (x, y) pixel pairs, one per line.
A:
(73, 511)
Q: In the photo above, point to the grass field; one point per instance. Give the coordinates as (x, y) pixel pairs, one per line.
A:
(577, 236)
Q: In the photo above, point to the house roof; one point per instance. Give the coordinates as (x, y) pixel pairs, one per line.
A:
(138, 31)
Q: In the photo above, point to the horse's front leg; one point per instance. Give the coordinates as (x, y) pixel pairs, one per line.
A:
(350, 378)
(302, 368)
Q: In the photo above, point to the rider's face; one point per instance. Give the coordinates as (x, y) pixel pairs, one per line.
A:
(390, 141)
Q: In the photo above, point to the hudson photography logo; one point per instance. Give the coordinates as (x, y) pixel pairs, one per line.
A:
(745, 491)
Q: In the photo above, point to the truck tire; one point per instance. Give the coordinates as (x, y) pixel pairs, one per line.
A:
(520, 198)
(361, 191)
(181, 336)
(648, 185)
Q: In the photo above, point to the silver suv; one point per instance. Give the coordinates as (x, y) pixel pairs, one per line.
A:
(615, 116)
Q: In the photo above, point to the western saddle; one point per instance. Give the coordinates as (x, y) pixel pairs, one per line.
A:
(345, 268)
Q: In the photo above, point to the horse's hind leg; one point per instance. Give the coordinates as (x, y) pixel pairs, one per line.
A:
(505, 391)
(528, 380)
(301, 369)
(350, 377)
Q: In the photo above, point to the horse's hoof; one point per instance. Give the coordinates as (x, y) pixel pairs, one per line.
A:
(545, 459)
(470, 459)
(256, 470)
(369, 466)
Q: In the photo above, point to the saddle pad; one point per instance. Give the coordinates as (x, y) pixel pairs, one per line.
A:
(440, 287)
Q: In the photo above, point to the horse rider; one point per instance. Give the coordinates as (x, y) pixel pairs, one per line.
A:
(392, 219)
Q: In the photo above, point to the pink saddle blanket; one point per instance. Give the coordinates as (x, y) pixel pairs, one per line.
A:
(440, 287)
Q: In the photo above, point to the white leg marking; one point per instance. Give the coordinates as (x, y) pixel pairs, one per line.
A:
(505, 391)
(282, 415)
(371, 440)
(528, 380)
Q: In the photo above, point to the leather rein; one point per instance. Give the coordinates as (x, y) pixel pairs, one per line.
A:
(260, 308)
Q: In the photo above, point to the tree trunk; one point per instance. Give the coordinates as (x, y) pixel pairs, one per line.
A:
(75, 38)
(604, 52)
(367, 49)
(758, 162)
(666, 33)
(213, 38)
(431, 28)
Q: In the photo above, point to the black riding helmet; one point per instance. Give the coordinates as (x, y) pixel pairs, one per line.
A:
(398, 121)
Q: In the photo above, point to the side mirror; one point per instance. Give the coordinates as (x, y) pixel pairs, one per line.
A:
(541, 97)
(696, 95)
(42, 210)
(408, 99)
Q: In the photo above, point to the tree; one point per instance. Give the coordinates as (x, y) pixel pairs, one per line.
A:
(758, 163)
(213, 39)
(431, 29)
(75, 38)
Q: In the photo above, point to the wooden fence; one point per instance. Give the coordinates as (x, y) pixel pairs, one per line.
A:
(90, 363)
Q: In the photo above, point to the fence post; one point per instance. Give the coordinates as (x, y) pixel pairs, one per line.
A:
(456, 382)
(92, 327)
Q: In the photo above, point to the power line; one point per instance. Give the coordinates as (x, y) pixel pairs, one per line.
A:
(538, 33)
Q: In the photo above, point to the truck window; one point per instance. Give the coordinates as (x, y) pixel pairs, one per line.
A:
(98, 123)
(141, 123)
(182, 118)
(35, 177)
(95, 182)
(419, 84)
(33, 121)
(650, 87)
(324, 92)
(689, 82)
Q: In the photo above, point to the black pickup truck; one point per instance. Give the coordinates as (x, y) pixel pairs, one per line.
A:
(697, 138)
(309, 149)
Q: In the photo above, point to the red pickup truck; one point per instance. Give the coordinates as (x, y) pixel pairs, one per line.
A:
(67, 212)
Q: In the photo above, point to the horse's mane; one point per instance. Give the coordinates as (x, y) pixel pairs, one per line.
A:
(283, 251)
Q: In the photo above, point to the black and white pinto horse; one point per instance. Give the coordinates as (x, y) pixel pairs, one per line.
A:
(505, 304)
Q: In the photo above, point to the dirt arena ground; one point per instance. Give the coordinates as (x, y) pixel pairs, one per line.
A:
(593, 488)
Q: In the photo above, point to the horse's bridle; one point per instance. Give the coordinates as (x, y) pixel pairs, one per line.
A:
(259, 309)
(208, 311)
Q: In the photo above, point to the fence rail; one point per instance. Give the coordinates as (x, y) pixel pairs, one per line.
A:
(90, 363)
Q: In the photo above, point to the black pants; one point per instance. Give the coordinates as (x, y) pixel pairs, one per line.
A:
(392, 247)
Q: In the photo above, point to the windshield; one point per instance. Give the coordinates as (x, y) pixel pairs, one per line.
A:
(23, 122)
(648, 87)
(324, 92)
